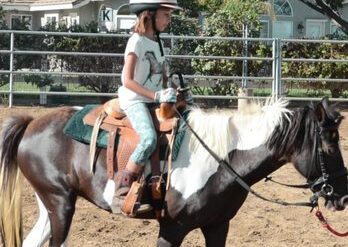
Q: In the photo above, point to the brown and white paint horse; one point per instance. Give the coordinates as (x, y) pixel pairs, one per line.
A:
(255, 142)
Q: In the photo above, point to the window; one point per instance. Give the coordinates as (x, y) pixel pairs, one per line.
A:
(336, 30)
(124, 20)
(282, 29)
(123, 10)
(264, 30)
(19, 21)
(50, 19)
(282, 7)
(315, 28)
(124, 23)
(71, 20)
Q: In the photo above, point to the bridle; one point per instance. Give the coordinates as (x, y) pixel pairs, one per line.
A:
(325, 188)
(320, 186)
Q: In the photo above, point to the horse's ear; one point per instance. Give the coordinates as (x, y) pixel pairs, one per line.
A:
(321, 108)
(339, 117)
(325, 102)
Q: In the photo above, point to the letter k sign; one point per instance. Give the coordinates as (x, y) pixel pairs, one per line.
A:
(107, 15)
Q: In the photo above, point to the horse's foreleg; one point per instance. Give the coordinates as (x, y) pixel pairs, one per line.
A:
(42, 229)
(215, 235)
(170, 235)
(60, 218)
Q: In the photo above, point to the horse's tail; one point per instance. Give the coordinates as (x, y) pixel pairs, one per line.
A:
(10, 190)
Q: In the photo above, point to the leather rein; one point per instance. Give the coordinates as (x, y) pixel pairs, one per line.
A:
(325, 190)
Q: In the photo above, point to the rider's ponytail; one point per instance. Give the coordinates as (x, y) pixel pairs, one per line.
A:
(143, 22)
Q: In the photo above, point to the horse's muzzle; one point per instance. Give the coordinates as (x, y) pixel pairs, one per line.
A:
(344, 201)
(337, 204)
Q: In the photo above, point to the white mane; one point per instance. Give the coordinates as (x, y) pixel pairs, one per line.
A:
(247, 128)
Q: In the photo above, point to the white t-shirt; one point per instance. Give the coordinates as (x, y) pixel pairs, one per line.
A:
(148, 69)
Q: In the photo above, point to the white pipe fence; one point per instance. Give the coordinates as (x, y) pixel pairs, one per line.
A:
(276, 78)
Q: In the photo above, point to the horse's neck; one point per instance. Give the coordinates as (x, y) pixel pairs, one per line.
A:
(195, 167)
(254, 165)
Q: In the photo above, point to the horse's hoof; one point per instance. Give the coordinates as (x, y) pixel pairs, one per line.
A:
(116, 205)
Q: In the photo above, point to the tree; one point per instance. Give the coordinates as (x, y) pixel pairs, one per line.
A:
(190, 8)
(245, 12)
(21, 42)
(211, 5)
(88, 64)
(333, 70)
(4, 45)
(330, 9)
(228, 22)
(3, 24)
(184, 23)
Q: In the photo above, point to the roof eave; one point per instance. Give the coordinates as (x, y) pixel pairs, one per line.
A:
(44, 7)
(15, 7)
(50, 7)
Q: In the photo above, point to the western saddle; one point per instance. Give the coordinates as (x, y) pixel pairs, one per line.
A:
(110, 117)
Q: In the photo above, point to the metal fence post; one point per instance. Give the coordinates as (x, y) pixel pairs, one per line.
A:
(245, 54)
(10, 96)
(279, 84)
(276, 68)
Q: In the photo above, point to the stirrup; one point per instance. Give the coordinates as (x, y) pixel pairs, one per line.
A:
(131, 204)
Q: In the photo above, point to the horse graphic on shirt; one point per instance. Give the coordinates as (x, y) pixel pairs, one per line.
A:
(155, 67)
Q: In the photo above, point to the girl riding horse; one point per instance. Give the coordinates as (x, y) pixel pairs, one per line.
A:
(143, 82)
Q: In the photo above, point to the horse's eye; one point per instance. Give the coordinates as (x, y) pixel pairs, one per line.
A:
(331, 136)
(334, 135)
(339, 119)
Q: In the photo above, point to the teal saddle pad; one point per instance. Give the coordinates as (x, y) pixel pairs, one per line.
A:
(77, 130)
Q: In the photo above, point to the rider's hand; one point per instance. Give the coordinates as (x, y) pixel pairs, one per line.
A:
(165, 95)
(189, 97)
(187, 94)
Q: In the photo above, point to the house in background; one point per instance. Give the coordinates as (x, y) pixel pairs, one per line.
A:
(110, 15)
(293, 19)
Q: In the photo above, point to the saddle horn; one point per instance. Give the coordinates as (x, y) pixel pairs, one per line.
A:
(167, 109)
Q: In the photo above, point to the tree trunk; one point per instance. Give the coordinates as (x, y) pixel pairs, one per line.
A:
(324, 8)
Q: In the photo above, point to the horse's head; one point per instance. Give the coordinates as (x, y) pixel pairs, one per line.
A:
(320, 159)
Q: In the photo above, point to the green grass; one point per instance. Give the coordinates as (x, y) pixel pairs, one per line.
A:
(23, 86)
(296, 92)
(308, 93)
(20, 87)
(262, 92)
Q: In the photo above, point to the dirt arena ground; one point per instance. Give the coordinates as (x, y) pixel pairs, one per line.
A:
(258, 223)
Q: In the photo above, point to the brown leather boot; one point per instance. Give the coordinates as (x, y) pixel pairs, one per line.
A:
(124, 181)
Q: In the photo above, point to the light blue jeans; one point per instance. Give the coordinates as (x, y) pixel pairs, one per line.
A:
(141, 120)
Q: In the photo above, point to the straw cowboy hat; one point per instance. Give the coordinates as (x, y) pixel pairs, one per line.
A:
(137, 6)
